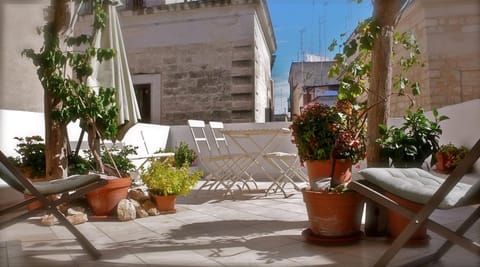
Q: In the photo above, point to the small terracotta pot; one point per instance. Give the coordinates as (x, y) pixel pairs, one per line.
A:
(440, 165)
(103, 200)
(396, 222)
(165, 204)
(333, 214)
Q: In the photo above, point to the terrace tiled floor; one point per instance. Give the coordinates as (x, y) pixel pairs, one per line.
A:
(207, 230)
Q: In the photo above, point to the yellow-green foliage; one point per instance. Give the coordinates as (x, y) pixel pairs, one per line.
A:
(162, 178)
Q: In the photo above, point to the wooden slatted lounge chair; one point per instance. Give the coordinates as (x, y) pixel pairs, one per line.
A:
(71, 188)
(419, 186)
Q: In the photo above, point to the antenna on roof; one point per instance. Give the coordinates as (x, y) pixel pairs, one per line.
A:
(302, 56)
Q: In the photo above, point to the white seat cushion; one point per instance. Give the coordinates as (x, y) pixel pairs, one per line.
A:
(415, 184)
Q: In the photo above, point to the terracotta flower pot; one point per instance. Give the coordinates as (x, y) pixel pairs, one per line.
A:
(441, 164)
(36, 204)
(333, 214)
(165, 204)
(103, 200)
(322, 169)
(396, 222)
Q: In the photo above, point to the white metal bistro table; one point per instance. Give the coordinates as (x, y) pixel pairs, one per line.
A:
(260, 150)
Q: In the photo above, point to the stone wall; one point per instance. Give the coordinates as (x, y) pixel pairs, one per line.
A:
(196, 80)
(448, 32)
(213, 59)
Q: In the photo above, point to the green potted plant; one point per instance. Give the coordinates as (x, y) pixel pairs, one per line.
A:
(448, 156)
(410, 144)
(166, 181)
(331, 138)
(31, 159)
(335, 135)
(184, 154)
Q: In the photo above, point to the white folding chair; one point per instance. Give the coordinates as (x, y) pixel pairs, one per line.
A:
(216, 166)
(238, 162)
(288, 164)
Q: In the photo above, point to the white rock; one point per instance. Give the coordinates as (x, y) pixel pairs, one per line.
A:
(77, 218)
(49, 220)
(126, 210)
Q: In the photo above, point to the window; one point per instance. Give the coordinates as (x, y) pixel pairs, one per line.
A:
(143, 94)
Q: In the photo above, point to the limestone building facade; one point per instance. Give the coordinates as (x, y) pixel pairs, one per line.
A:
(195, 59)
(204, 59)
(448, 32)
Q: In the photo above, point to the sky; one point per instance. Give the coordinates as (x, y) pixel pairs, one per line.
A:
(304, 27)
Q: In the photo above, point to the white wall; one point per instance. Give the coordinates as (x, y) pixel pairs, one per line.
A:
(20, 88)
(281, 143)
(15, 123)
(463, 128)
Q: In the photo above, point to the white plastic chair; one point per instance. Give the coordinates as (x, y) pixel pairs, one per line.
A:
(148, 138)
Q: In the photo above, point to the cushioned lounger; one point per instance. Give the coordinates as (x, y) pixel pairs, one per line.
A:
(433, 192)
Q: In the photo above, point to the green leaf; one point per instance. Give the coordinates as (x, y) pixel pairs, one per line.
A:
(351, 48)
(382, 128)
(416, 88)
(443, 117)
(332, 45)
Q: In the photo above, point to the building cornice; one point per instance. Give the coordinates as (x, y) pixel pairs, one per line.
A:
(261, 9)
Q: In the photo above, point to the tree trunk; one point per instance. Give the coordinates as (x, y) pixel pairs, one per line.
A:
(384, 13)
(55, 132)
(55, 148)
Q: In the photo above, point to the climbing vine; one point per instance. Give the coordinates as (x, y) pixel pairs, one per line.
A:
(353, 65)
(96, 109)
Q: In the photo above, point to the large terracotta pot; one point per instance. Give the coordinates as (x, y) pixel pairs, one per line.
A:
(322, 168)
(165, 204)
(103, 200)
(396, 222)
(333, 214)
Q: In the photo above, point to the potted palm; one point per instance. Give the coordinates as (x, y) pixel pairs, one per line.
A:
(166, 181)
(331, 138)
